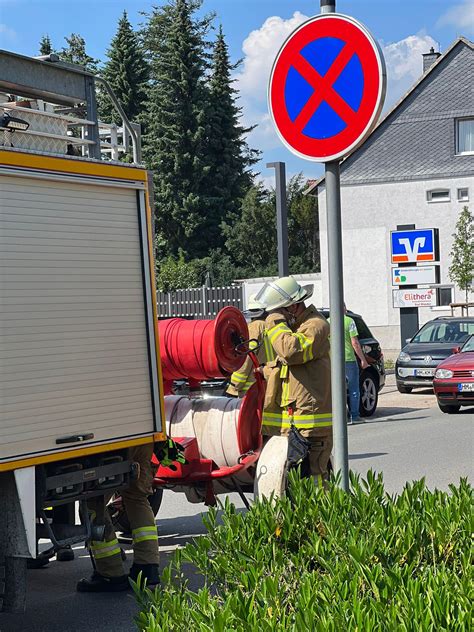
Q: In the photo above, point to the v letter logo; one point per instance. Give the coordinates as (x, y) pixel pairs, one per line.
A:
(412, 252)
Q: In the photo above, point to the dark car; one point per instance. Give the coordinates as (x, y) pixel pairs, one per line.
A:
(372, 379)
(433, 343)
(454, 379)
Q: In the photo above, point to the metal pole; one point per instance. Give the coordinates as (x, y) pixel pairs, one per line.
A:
(282, 217)
(336, 304)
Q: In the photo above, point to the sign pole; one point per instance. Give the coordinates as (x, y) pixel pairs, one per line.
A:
(282, 217)
(336, 303)
(324, 106)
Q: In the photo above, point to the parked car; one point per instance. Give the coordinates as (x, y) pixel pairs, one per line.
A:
(433, 343)
(372, 379)
(454, 379)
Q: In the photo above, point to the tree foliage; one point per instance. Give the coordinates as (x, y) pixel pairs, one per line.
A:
(126, 72)
(229, 155)
(252, 236)
(461, 270)
(176, 127)
(45, 47)
(75, 53)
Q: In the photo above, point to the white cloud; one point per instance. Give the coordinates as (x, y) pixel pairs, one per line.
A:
(404, 63)
(6, 32)
(403, 60)
(461, 16)
(260, 49)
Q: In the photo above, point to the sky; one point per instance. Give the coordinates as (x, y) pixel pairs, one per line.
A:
(255, 30)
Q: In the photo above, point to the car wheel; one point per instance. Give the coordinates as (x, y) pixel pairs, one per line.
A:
(451, 409)
(369, 394)
(404, 389)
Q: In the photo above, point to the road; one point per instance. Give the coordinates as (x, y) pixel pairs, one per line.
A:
(406, 439)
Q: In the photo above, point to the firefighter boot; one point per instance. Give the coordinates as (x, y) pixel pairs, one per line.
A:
(99, 583)
(149, 572)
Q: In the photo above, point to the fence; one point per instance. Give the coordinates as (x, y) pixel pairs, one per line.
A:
(198, 302)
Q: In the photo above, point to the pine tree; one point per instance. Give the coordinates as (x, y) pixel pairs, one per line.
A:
(126, 71)
(75, 53)
(176, 130)
(46, 47)
(461, 270)
(229, 155)
(251, 239)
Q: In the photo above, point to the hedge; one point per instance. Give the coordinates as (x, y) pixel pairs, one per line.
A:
(325, 561)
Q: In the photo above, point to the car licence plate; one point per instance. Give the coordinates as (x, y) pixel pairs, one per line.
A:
(424, 372)
(466, 387)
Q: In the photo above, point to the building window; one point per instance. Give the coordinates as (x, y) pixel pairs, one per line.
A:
(445, 296)
(463, 195)
(465, 136)
(438, 195)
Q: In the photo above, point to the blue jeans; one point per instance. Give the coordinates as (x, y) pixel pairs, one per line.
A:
(352, 374)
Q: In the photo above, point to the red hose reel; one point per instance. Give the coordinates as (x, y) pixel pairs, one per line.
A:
(202, 349)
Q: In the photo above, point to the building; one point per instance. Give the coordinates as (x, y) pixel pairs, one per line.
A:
(417, 167)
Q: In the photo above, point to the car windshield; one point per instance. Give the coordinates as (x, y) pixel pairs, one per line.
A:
(468, 345)
(445, 331)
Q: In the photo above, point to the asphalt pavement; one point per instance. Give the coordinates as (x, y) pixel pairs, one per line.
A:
(407, 438)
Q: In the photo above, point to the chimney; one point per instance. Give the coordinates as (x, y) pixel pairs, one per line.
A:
(429, 59)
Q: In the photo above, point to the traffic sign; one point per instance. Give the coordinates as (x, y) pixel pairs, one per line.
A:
(327, 87)
(411, 246)
(414, 298)
(412, 275)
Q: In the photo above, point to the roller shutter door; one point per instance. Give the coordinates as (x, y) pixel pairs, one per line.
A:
(75, 348)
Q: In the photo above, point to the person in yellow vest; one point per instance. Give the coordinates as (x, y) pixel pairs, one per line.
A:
(242, 380)
(109, 574)
(299, 379)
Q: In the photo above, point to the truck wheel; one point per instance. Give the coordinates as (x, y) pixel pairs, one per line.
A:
(119, 516)
(12, 584)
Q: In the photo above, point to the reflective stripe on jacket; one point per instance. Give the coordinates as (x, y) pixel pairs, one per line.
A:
(300, 377)
(243, 379)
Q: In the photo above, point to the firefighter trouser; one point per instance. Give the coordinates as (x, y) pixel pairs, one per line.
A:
(319, 454)
(107, 554)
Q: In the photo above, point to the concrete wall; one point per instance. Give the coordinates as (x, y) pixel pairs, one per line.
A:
(369, 213)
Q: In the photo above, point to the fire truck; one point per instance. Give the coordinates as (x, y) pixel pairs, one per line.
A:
(79, 362)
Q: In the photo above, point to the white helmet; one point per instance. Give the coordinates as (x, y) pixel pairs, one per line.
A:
(282, 293)
(254, 309)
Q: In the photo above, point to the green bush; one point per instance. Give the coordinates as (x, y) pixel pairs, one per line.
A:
(331, 562)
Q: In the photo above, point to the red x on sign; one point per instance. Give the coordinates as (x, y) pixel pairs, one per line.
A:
(327, 87)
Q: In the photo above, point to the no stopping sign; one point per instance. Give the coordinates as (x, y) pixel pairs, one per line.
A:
(327, 87)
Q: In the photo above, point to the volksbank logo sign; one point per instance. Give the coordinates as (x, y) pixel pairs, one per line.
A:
(410, 246)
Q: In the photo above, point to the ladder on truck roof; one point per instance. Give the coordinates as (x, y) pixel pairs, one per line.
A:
(63, 85)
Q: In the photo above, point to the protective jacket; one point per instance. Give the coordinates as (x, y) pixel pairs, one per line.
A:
(243, 379)
(299, 380)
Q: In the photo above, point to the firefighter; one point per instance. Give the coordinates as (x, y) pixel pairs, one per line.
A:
(109, 574)
(299, 379)
(243, 379)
